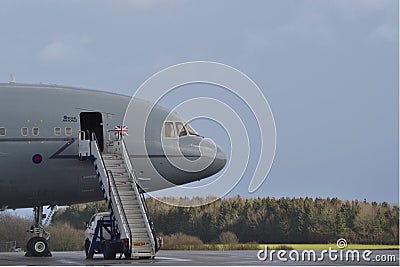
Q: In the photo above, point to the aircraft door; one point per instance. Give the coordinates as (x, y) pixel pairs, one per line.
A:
(92, 122)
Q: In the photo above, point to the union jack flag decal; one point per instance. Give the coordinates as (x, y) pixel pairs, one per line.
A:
(123, 130)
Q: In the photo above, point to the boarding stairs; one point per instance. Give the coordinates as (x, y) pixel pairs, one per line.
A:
(122, 192)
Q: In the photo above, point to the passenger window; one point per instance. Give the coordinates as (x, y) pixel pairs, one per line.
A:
(24, 131)
(181, 129)
(169, 130)
(2, 131)
(35, 131)
(68, 131)
(57, 131)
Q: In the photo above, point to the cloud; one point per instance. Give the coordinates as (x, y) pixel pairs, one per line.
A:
(385, 32)
(65, 48)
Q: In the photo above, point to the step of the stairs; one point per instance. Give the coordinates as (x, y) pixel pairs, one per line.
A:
(123, 184)
(113, 160)
(139, 235)
(136, 222)
(137, 216)
(131, 209)
(129, 203)
(125, 188)
(108, 156)
(120, 175)
(130, 206)
(133, 213)
(121, 179)
(134, 216)
(118, 172)
(117, 169)
(128, 198)
(139, 230)
(126, 192)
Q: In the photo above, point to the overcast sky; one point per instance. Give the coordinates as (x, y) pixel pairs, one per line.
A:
(329, 70)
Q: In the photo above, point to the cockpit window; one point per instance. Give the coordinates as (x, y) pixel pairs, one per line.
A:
(190, 130)
(179, 130)
(169, 130)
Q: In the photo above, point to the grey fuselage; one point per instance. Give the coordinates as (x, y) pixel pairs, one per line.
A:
(39, 126)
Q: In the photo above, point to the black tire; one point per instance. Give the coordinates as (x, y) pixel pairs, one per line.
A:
(108, 252)
(146, 258)
(38, 247)
(87, 246)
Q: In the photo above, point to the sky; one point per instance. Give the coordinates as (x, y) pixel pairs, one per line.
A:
(329, 70)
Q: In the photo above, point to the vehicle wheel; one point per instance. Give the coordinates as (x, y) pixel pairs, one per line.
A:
(87, 246)
(108, 251)
(146, 258)
(38, 246)
(127, 255)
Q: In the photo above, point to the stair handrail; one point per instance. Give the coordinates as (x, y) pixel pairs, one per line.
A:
(153, 229)
(120, 207)
(149, 225)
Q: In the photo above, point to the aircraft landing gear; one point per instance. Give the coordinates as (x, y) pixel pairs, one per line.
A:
(38, 246)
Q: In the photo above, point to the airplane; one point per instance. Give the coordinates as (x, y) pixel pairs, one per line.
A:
(39, 128)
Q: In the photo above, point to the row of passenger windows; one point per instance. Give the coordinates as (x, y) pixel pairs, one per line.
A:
(36, 131)
(177, 129)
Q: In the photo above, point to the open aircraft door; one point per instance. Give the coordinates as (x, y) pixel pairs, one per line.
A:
(92, 122)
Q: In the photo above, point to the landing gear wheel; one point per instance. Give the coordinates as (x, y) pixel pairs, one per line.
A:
(38, 247)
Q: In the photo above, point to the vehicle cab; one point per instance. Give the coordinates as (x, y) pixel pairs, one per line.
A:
(91, 226)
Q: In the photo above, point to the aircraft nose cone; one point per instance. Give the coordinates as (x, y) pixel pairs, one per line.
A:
(219, 161)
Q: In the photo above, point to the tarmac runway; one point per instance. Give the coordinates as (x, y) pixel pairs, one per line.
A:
(199, 258)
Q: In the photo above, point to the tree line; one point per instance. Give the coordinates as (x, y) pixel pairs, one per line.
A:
(284, 220)
(267, 220)
(234, 220)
